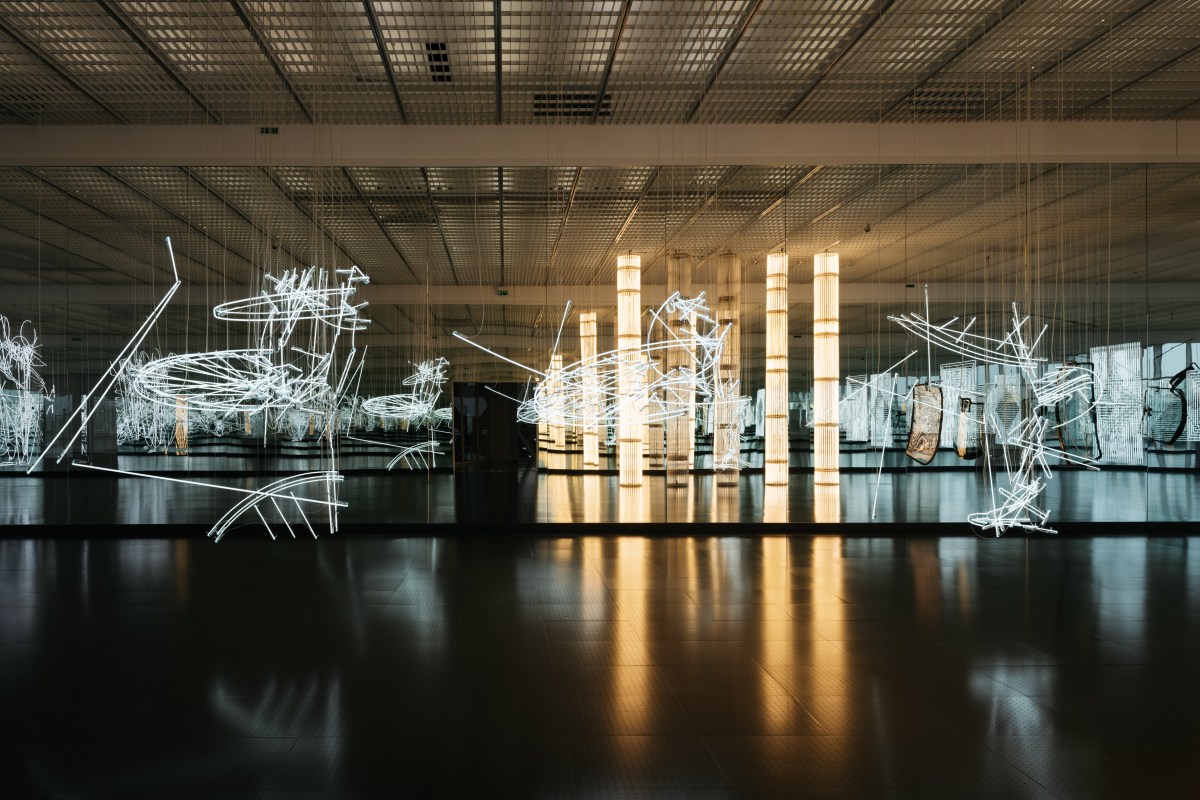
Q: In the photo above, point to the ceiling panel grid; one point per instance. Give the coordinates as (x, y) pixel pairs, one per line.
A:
(86, 43)
(666, 55)
(443, 56)
(215, 55)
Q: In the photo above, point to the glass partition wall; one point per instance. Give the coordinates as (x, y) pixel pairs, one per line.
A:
(1015, 345)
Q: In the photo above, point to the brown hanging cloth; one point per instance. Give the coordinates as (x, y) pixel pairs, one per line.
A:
(926, 428)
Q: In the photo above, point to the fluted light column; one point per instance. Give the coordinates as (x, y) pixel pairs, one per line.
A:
(681, 426)
(591, 394)
(558, 431)
(727, 424)
(631, 414)
(776, 444)
(826, 360)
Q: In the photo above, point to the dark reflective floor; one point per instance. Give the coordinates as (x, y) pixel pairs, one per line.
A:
(601, 667)
(524, 496)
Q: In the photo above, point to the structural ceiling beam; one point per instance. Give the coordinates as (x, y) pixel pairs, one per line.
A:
(1171, 141)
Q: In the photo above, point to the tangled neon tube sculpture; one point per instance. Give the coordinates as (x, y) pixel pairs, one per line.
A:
(587, 392)
(279, 375)
(23, 394)
(417, 407)
(1016, 506)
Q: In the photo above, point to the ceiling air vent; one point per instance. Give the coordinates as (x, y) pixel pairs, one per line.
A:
(946, 103)
(569, 104)
(438, 57)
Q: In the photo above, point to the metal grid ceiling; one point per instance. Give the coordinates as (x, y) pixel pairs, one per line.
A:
(639, 61)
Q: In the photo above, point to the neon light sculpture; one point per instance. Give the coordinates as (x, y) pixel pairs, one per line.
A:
(1016, 505)
(23, 394)
(571, 398)
(415, 408)
(854, 409)
(680, 430)
(277, 376)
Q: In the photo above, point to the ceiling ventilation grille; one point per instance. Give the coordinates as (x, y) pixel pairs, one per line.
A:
(946, 102)
(570, 104)
(438, 56)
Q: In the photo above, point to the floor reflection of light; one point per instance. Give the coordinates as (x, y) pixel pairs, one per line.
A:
(827, 504)
(680, 503)
(926, 572)
(1119, 572)
(591, 498)
(21, 501)
(775, 504)
(724, 502)
(775, 632)
(285, 709)
(630, 659)
(630, 504)
(558, 497)
(828, 582)
(181, 557)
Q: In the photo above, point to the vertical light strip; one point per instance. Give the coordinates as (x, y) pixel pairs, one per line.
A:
(653, 432)
(558, 431)
(826, 360)
(776, 444)
(727, 426)
(591, 395)
(630, 409)
(680, 427)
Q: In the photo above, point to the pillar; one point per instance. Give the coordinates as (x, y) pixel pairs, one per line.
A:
(776, 444)
(630, 409)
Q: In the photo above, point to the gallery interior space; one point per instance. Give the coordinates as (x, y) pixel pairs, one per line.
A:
(623, 399)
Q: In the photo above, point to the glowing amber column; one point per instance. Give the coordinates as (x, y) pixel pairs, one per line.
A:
(826, 360)
(653, 432)
(727, 439)
(631, 414)
(681, 427)
(776, 444)
(558, 431)
(591, 396)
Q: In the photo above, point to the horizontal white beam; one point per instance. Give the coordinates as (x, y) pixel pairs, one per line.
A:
(592, 296)
(617, 145)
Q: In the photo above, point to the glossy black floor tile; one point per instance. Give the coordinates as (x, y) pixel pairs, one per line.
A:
(601, 667)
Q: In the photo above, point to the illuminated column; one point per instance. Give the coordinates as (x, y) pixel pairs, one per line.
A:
(826, 360)
(726, 423)
(591, 396)
(681, 428)
(776, 444)
(558, 437)
(654, 423)
(630, 409)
